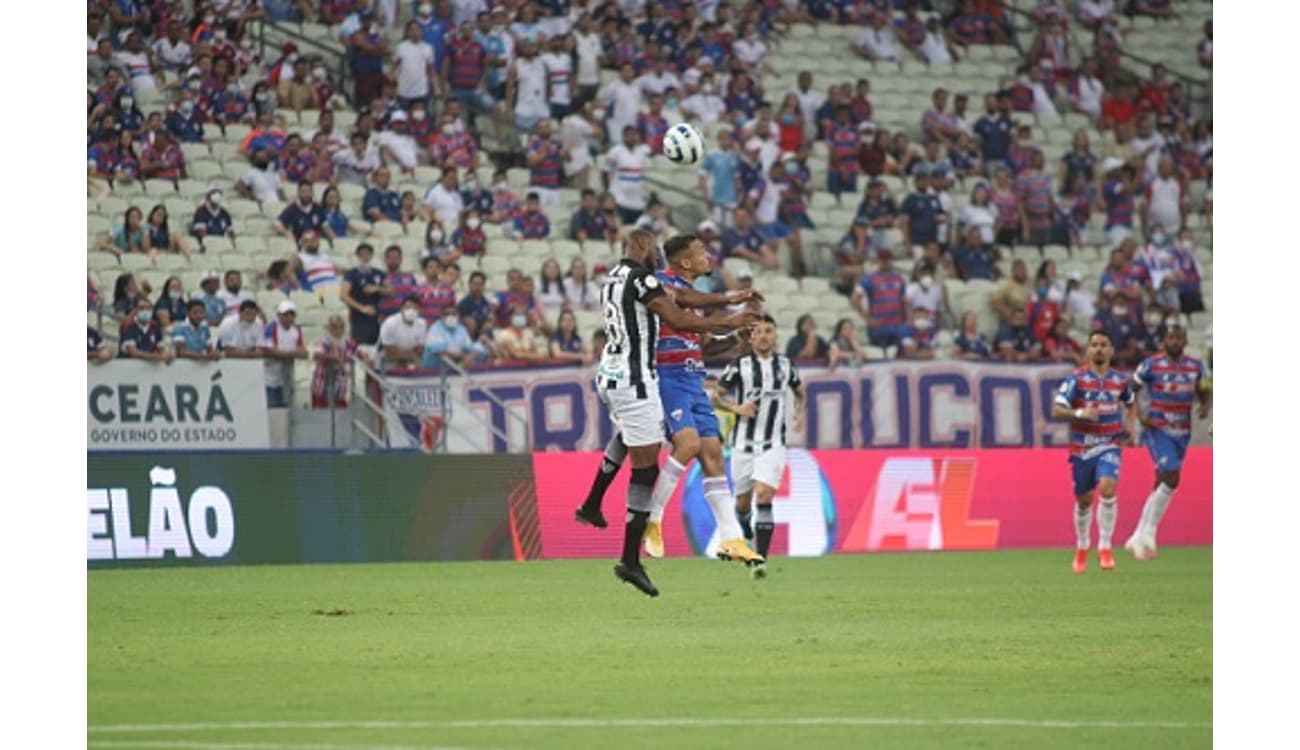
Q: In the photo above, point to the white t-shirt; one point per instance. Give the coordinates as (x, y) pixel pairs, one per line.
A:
(1096, 10)
(934, 49)
(336, 140)
(622, 100)
(447, 204)
(282, 340)
(626, 170)
(551, 300)
(879, 42)
(559, 70)
(465, 11)
(588, 48)
(582, 296)
(1149, 148)
(929, 299)
(412, 68)
(399, 334)
(1079, 305)
(234, 333)
(137, 67)
(1088, 98)
(1165, 205)
(750, 52)
(530, 87)
(577, 135)
(233, 301)
(768, 203)
(982, 217)
(658, 83)
(172, 56)
(707, 107)
(809, 102)
(355, 170)
(404, 147)
(265, 184)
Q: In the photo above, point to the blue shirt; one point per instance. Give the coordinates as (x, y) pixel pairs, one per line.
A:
(440, 339)
(995, 137)
(186, 129)
(593, 223)
(978, 345)
(733, 240)
(298, 220)
(216, 224)
(923, 210)
(145, 339)
(388, 202)
(973, 262)
(195, 340)
(493, 46)
(721, 167)
(478, 309)
(434, 34)
(215, 306)
(338, 222)
(358, 279)
(480, 199)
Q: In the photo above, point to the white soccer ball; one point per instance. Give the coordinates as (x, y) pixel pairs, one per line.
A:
(683, 144)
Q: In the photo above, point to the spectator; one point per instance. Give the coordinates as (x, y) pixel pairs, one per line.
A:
(880, 213)
(1046, 275)
(1059, 346)
(464, 66)
(242, 335)
(411, 211)
(518, 340)
(971, 26)
(184, 120)
(1188, 275)
(1015, 340)
(1205, 48)
(1038, 209)
(332, 376)
(532, 224)
(921, 214)
(1014, 293)
(413, 67)
(1042, 311)
(526, 85)
(281, 276)
(924, 293)
(262, 182)
(170, 305)
(284, 344)
(333, 217)
(901, 154)
(979, 214)
(852, 253)
(475, 196)
(210, 219)
(843, 138)
(810, 99)
(744, 240)
(380, 203)
(315, 269)
(475, 309)
(580, 292)
(142, 336)
(1077, 304)
(396, 145)
(367, 49)
(362, 292)
(879, 299)
(191, 337)
(581, 134)
(718, 178)
(805, 345)
(356, 164)
(96, 349)
(845, 348)
(1165, 200)
(505, 204)
(917, 338)
(444, 200)
(878, 42)
(159, 237)
(126, 296)
(127, 237)
(553, 295)
(994, 130)
(1087, 90)
(232, 292)
(1118, 107)
(1022, 150)
(938, 124)
(1092, 13)
(566, 343)
(970, 344)
(1117, 195)
(302, 215)
(398, 284)
(450, 338)
(588, 223)
(624, 171)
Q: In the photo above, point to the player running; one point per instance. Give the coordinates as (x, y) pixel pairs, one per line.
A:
(1092, 398)
(760, 381)
(691, 422)
(634, 301)
(1174, 382)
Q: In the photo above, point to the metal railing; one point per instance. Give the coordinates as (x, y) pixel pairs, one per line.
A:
(449, 367)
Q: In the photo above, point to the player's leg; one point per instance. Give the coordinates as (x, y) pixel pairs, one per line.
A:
(641, 422)
(768, 468)
(1167, 453)
(615, 453)
(1107, 506)
(686, 445)
(717, 493)
(1083, 471)
(742, 479)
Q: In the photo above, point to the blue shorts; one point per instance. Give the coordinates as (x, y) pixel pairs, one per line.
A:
(776, 231)
(686, 405)
(1167, 451)
(1088, 472)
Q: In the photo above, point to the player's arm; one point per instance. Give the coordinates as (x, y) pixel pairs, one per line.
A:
(800, 401)
(720, 400)
(1131, 419)
(1062, 408)
(709, 300)
(676, 317)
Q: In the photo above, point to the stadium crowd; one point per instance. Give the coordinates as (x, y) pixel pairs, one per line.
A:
(377, 201)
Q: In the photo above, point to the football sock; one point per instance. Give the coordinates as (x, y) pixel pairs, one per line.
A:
(718, 494)
(638, 511)
(763, 528)
(1107, 512)
(663, 490)
(1154, 510)
(1083, 526)
(615, 452)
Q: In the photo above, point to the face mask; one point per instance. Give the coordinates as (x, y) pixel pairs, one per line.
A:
(598, 113)
(408, 315)
(924, 324)
(472, 223)
(1042, 291)
(291, 59)
(470, 185)
(319, 73)
(144, 316)
(671, 103)
(219, 33)
(450, 321)
(246, 44)
(447, 130)
(127, 102)
(209, 20)
(926, 281)
(215, 199)
(174, 294)
(262, 96)
(426, 10)
(1119, 311)
(788, 119)
(187, 107)
(233, 89)
(435, 236)
(1158, 239)
(518, 321)
(418, 115)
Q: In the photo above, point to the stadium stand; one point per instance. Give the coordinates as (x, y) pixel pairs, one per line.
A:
(217, 113)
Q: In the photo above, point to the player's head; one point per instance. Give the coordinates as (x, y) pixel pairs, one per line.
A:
(1100, 348)
(1175, 340)
(641, 247)
(763, 337)
(687, 256)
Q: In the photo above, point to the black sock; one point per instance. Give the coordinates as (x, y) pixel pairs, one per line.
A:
(763, 529)
(604, 477)
(632, 533)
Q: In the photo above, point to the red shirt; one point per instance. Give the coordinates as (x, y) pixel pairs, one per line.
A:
(1117, 110)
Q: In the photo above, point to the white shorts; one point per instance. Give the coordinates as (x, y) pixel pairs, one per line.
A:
(750, 468)
(640, 420)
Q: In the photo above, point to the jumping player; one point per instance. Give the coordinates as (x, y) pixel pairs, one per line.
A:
(759, 382)
(1174, 382)
(634, 301)
(1092, 398)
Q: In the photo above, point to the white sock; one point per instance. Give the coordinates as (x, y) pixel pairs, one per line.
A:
(1154, 510)
(1106, 515)
(1083, 526)
(723, 504)
(664, 486)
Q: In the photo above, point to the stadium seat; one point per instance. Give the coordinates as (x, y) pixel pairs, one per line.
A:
(102, 261)
(135, 262)
(216, 245)
(172, 262)
(304, 300)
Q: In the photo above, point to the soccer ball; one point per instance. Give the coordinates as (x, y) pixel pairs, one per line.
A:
(683, 144)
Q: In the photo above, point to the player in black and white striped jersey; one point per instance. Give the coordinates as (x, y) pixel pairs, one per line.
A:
(754, 388)
(633, 301)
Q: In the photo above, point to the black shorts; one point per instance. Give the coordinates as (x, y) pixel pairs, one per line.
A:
(365, 328)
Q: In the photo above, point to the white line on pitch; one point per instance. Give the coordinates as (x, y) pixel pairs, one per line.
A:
(865, 721)
(196, 745)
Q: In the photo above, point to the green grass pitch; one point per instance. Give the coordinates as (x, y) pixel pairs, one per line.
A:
(1001, 649)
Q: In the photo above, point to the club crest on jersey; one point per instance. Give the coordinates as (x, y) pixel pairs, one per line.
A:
(651, 282)
(676, 414)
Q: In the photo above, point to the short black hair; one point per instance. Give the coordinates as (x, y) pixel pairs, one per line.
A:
(1101, 332)
(195, 303)
(411, 298)
(248, 304)
(767, 318)
(478, 275)
(679, 244)
(393, 249)
(368, 246)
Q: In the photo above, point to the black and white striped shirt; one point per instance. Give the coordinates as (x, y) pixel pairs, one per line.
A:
(765, 382)
(628, 359)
